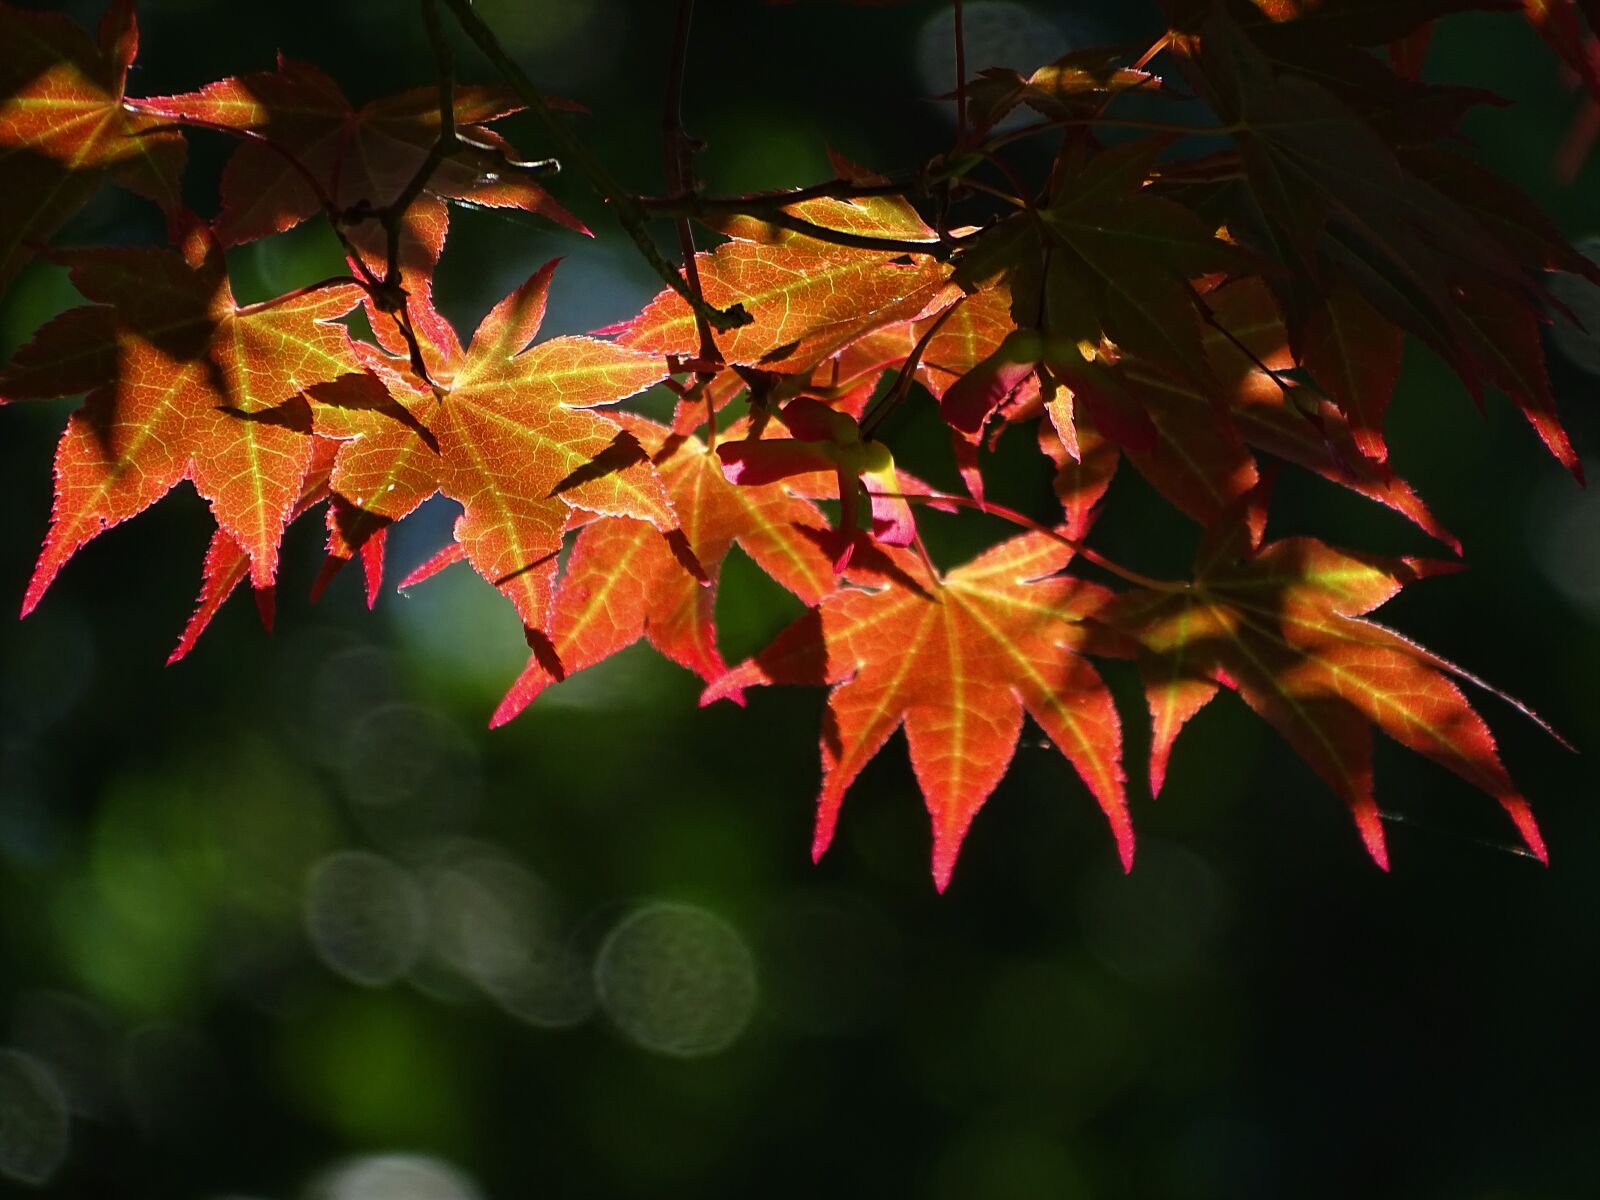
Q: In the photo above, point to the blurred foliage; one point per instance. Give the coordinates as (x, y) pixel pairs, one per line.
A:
(286, 921)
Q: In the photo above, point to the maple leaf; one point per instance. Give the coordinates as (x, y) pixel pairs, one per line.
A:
(1282, 624)
(1084, 472)
(1354, 354)
(956, 660)
(1336, 194)
(1109, 259)
(182, 384)
(1123, 258)
(64, 127)
(509, 435)
(807, 300)
(961, 339)
(624, 580)
(968, 402)
(1199, 456)
(304, 125)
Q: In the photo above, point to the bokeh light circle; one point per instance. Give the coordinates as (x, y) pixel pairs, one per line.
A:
(365, 916)
(34, 1126)
(676, 980)
(410, 773)
(393, 1177)
(496, 924)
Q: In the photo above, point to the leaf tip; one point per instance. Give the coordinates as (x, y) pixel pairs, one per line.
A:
(827, 821)
(1124, 835)
(1369, 821)
(727, 686)
(44, 574)
(267, 605)
(1522, 817)
(330, 567)
(946, 848)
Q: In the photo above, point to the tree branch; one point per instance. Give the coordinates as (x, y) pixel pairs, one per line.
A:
(572, 151)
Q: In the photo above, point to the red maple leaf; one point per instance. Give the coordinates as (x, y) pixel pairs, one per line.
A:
(624, 580)
(1283, 625)
(956, 659)
(506, 429)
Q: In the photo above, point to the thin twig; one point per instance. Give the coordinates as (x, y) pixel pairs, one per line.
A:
(1173, 127)
(1210, 317)
(571, 150)
(988, 189)
(908, 369)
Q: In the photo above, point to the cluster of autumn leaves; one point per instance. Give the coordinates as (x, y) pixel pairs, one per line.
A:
(1185, 313)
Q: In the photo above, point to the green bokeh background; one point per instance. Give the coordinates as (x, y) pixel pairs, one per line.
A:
(1255, 1012)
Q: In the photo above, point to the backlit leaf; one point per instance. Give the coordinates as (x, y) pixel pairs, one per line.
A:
(64, 128)
(957, 661)
(182, 384)
(1283, 627)
(304, 125)
(624, 579)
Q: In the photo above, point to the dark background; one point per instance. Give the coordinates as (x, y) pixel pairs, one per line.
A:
(255, 909)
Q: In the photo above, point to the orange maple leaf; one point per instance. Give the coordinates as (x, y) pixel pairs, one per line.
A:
(957, 659)
(64, 127)
(182, 384)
